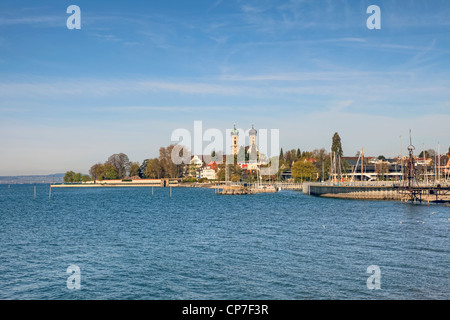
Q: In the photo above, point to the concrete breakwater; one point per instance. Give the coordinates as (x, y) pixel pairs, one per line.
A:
(366, 195)
(367, 192)
(380, 191)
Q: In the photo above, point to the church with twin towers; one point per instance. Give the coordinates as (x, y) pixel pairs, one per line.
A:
(251, 149)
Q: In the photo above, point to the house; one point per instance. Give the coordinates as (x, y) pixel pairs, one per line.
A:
(195, 164)
(207, 172)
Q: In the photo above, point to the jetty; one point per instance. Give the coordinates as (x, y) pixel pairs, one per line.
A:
(163, 182)
(380, 191)
(245, 188)
(407, 189)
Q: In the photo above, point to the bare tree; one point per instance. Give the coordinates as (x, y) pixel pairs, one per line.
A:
(170, 169)
(121, 162)
(97, 171)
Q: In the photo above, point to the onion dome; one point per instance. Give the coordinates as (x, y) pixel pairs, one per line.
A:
(234, 132)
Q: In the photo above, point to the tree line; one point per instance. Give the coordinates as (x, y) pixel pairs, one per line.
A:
(312, 165)
(303, 165)
(119, 166)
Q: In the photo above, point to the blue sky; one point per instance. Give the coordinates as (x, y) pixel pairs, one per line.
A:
(138, 70)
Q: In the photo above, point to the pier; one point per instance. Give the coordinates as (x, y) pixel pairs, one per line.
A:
(436, 194)
(240, 188)
(380, 191)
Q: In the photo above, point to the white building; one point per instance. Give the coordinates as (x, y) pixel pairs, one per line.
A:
(208, 173)
(194, 165)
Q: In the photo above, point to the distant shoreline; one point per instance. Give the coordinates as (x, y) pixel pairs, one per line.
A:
(131, 184)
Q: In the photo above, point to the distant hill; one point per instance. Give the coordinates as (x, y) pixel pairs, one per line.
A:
(50, 178)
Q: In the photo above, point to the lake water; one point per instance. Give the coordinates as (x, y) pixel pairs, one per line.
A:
(129, 244)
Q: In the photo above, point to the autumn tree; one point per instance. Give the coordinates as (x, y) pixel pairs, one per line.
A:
(135, 169)
(304, 170)
(153, 170)
(169, 168)
(97, 171)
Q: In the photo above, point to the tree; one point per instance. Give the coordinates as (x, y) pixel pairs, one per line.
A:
(143, 167)
(121, 163)
(299, 154)
(77, 177)
(153, 169)
(289, 157)
(304, 170)
(321, 156)
(110, 172)
(97, 171)
(381, 157)
(281, 155)
(381, 169)
(135, 169)
(169, 168)
(85, 178)
(221, 172)
(336, 145)
(235, 178)
(68, 177)
(430, 153)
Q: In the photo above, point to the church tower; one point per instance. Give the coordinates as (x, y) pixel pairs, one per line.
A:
(252, 138)
(252, 146)
(234, 141)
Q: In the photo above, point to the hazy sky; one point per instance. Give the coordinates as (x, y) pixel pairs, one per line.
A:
(138, 70)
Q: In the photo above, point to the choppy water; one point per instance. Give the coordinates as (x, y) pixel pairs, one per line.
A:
(129, 244)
